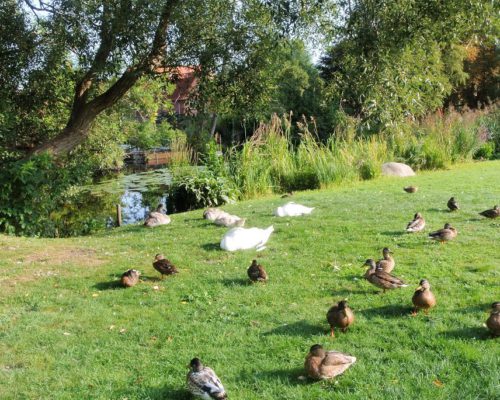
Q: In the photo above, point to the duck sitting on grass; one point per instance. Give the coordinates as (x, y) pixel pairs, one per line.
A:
(387, 263)
(491, 213)
(292, 209)
(423, 298)
(453, 204)
(130, 278)
(380, 278)
(256, 272)
(493, 322)
(229, 221)
(340, 316)
(417, 224)
(321, 364)
(246, 238)
(444, 235)
(156, 218)
(203, 382)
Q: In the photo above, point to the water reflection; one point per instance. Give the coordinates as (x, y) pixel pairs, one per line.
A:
(135, 207)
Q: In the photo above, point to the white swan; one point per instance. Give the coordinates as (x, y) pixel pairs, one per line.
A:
(229, 221)
(292, 209)
(243, 238)
(157, 217)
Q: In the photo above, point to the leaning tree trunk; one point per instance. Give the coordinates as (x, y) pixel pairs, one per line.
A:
(85, 111)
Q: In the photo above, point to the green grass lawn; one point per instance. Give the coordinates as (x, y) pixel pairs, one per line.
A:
(68, 331)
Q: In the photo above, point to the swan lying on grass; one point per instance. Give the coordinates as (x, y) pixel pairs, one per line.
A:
(246, 238)
(292, 209)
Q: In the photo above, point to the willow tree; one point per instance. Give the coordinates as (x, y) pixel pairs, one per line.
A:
(108, 46)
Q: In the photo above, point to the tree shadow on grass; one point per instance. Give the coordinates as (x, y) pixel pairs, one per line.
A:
(468, 332)
(299, 328)
(394, 233)
(148, 278)
(482, 307)
(441, 210)
(391, 311)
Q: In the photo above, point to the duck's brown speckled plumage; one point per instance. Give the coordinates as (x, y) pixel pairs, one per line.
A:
(380, 278)
(256, 272)
(203, 382)
(417, 224)
(493, 322)
(491, 213)
(387, 263)
(410, 189)
(423, 298)
(321, 364)
(339, 316)
(453, 204)
(164, 266)
(444, 235)
(130, 278)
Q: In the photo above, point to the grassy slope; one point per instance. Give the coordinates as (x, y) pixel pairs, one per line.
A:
(62, 313)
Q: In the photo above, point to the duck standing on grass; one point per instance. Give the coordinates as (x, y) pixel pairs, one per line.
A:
(493, 322)
(256, 272)
(444, 235)
(203, 382)
(164, 266)
(423, 298)
(417, 224)
(156, 218)
(130, 278)
(386, 264)
(321, 364)
(491, 213)
(340, 316)
(380, 278)
(453, 204)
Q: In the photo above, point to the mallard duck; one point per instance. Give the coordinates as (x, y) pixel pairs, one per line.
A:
(213, 213)
(130, 278)
(229, 221)
(453, 204)
(445, 234)
(380, 278)
(164, 266)
(491, 213)
(203, 382)
(423, 298)
(321, 364)
(292, 209)
(246, 238)
(256, 272)
(157, 217)
(289, 194)
(493, 322)
(410, 189)
(386, 264)
(339, 316)
(417, 224)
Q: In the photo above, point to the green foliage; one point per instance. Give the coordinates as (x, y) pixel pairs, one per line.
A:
(199, 189)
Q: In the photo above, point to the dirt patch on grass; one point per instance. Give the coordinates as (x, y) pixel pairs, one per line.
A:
(64, 255)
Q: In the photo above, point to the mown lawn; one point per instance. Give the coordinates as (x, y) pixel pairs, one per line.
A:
(68, 331)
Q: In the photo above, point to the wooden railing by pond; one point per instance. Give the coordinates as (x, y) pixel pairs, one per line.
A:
(150, 159)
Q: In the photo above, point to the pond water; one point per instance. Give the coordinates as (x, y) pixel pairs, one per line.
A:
(94, 208)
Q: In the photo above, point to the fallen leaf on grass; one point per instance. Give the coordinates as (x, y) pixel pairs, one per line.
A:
(438, 383)
(123, 330)
(66, 333)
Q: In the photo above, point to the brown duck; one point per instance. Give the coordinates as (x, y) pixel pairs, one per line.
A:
(256, 272)
(340, 316)
(387, 263)
(444, 235)
(417, 224)
(321, 364)
(380, 278)
(130, 278)
(164, 266)
(453, 204)
(410, 189)
(491, 213)
(423, 298)
(493, 322)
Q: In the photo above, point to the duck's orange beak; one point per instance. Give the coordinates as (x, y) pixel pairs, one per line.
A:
(419, 288)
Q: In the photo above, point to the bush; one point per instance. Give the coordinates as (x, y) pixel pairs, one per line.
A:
(201, 190)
